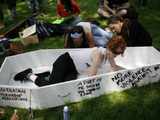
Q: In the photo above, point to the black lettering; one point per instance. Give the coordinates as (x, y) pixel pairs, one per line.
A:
(116, 77)
(97, 84)
(148, 70)
(79, 84)
(156, 67)
(99, 79)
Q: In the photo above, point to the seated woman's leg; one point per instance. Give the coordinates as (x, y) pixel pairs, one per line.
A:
(63, 69)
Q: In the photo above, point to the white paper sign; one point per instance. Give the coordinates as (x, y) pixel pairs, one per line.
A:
(28, 31)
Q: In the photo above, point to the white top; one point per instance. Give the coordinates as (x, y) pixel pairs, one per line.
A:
(82, 60)
(105, 66)
(86, 26)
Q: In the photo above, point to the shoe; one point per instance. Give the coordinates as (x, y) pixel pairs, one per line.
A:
(22, 76)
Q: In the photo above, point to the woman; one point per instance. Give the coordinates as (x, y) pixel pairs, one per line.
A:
(116, 46)
(69, 66)
(92, 35)
(108, 8)
(131, 30)
(76, 38)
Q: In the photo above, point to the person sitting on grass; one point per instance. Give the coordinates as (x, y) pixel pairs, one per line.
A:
(108, 8)
(131, 30)
(76, 38)
(68, 66)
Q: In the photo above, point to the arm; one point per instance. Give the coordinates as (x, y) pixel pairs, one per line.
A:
(108, 8)
(58, 2)
(14, 116)
(90, 39)
(96, 58)
(66, 41)
(114, 66)
(88, 33)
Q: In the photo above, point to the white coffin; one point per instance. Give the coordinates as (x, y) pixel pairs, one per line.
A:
(142, 67)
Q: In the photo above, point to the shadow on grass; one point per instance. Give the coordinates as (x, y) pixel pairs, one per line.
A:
(134, 104)
(151, 19)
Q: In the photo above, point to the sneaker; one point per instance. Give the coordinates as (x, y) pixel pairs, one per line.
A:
(22, 76)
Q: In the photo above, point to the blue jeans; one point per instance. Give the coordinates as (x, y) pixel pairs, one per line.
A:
(101, 37)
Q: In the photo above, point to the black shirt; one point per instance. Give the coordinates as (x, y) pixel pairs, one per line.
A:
(135, 34)
(113, 3)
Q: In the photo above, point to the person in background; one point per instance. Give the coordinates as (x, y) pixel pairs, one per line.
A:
(67, 7)
(14, 116)
(131, 30)
(108, 8)
(76, 38)
(128, 13)
(142, 2)
(1, 15)
(37, 6)
(34, 5)
(12, 7)
(1, 112)
(11, 4)
(87, 34)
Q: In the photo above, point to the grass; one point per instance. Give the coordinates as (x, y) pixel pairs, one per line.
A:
(134, 104)
(150, 19)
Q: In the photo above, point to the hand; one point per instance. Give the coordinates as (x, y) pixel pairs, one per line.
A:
(14, 116)
(116, 68)
(91, 71)
(110, 55)
(1, 112)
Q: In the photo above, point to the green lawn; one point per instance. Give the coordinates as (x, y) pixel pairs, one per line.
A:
(134, 104)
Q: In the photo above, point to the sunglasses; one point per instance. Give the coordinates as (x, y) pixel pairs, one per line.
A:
(74, 32)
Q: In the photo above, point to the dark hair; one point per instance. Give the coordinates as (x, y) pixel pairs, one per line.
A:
(78, 29)
(114, 19)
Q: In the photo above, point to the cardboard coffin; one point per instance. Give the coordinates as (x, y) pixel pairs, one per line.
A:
(142, 67)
